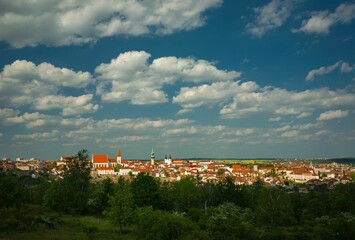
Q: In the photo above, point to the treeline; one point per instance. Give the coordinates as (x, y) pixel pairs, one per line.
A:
(187, 209)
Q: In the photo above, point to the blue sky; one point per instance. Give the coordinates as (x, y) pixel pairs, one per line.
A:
(202, 78)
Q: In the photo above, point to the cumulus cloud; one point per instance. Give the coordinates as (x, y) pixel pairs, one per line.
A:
(69, 105)
(332, 114)
(130, 77)
(304, 115)
(343, 66)
(22, 82)
(275, 119)
(321, 22)
(180, 131)
(290, 134)
(346, 67)
(32, 120)
(282, 102)
(58, 23)
(244, 132)
(192, 97)
(8, 113)
(270, 16)
(41, 136)
(283, 128)
(184, 111)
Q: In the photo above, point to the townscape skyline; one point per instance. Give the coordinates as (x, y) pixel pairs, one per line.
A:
(199, 79)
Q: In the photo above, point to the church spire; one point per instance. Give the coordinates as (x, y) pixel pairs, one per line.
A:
(119, 153)
(119, 158)
(152, 157)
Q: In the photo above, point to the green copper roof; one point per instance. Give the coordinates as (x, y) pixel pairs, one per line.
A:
(152, 153)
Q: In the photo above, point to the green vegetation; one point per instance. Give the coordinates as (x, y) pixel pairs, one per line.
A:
(144, 208)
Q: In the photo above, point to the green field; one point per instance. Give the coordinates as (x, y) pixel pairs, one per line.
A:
(44, 224)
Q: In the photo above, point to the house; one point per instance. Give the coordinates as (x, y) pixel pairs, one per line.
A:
(105, 170)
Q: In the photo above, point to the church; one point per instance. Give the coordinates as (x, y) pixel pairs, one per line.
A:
(102, 161)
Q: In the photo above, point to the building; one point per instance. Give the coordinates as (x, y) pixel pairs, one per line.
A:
(167, 160)
(105, 165)
(152, 158)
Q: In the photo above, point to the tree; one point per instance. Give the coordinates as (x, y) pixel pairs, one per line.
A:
(229, 221)
(117, 167)
(274, 208)
(99, 195)
(145, 190)
(208, 192)
(186, 194)
(161, 225)
(71, 193)
(120, 210)
(10, 191)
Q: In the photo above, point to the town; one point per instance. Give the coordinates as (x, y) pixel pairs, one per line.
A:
(283, 173)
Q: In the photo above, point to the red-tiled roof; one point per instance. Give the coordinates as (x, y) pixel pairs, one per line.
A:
(99, 158)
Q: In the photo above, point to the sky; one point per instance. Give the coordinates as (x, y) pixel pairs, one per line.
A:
(190, 78)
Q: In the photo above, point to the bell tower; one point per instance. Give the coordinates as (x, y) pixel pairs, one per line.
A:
(119, 158)
(152, 157)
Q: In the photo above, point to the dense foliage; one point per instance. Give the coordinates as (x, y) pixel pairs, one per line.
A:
(145, 208)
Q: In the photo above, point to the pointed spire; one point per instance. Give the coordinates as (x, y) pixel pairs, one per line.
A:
(152, 153)
(119, 153)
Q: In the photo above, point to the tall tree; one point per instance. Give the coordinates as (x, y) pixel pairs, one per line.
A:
(10, 190)
(120, 210)
(186, 194)
(145, 190)
(274, 208)
(71, 193)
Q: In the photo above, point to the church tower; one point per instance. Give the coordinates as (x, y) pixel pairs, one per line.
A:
(119, 158)
(255, 167)
(152, 157)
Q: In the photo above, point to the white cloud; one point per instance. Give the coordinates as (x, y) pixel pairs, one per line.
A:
(304, 115)
(128, 138)
(290, 134)
(283, 128)
(346, 67)
(320, 22)
(192, 97)
(276, 100)
(23, 82)
(270, 16)
(70, 105)
(244, 132)
(323, 133)
(332, 114)
(322, 70)
(181, 131)
(287, 111)
(343, 66)
(43, 136)
(308, 126)
(275, 119)
(130, 77)
(33, 120)
(8, 113)
(184, 111)
(58, 23)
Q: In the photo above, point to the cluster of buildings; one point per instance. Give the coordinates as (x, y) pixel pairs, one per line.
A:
(272, 173)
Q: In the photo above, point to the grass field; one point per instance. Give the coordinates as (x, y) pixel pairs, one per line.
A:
(67, 227)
